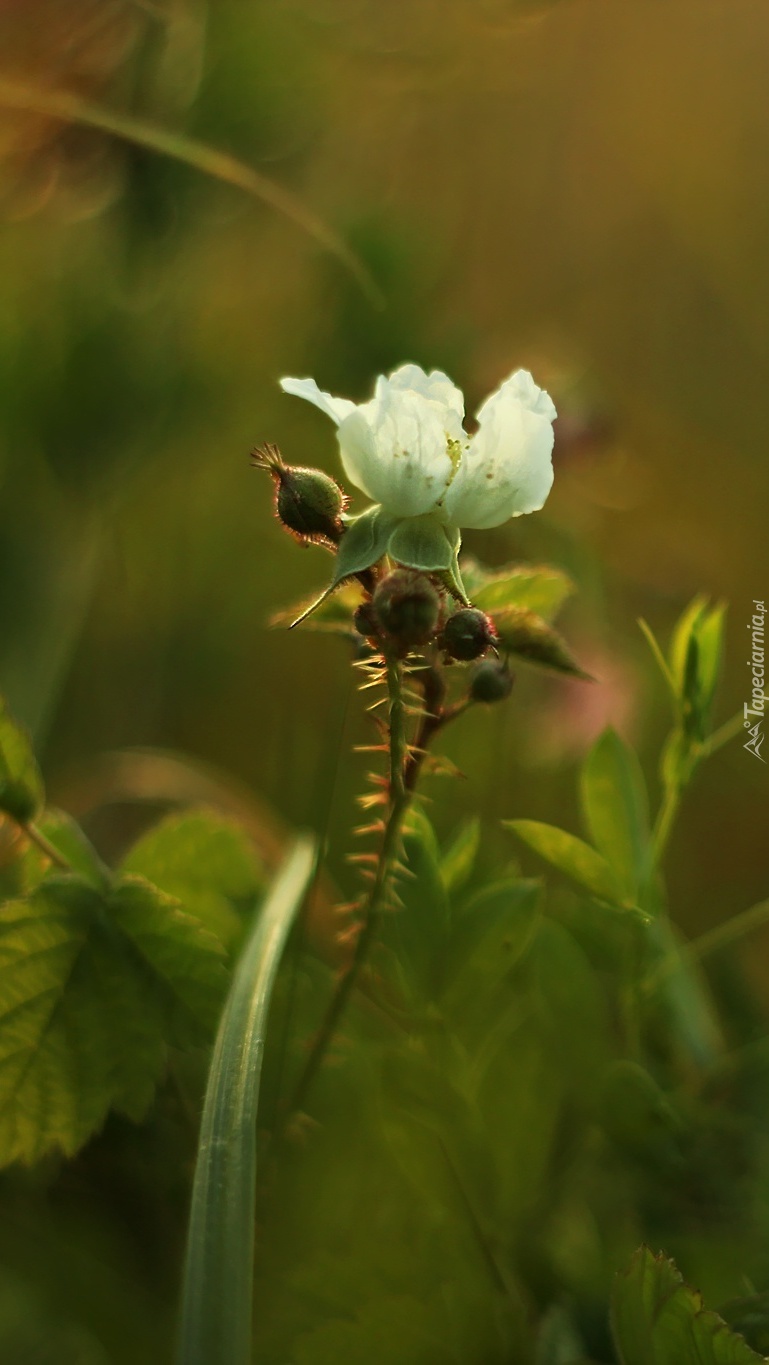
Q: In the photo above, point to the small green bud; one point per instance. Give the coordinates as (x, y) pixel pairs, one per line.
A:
(491, 681)
(307, 502)
(407, 608)
(467, 634)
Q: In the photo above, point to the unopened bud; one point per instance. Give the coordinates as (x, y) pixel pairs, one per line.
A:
(365, 622)
(307, 502)
(407, 608)
(467, 634)
(491, 681)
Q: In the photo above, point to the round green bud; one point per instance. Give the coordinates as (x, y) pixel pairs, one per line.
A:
(467, 634)
(309, 503)
(407, 607)
(491, 681)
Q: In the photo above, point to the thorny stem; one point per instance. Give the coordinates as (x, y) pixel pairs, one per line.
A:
(399, 796)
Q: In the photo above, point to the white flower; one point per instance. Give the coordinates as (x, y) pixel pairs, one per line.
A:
(408, 451)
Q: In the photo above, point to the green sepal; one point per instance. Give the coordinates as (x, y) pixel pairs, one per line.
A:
(424, 543)
(363, 543)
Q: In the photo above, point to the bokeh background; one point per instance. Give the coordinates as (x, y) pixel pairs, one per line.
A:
(581, 188)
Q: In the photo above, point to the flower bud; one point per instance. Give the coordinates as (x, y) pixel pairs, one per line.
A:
(365, 622)
(307, 502)
(407, 607)
(491, 681)
(467, 634)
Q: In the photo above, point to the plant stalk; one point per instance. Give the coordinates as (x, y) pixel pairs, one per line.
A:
(399, 796)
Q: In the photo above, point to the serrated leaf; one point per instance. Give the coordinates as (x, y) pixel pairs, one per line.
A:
(423, 543)
(458, 860)
(657, 1319)
(207, 862)
(183, 958)
(571, 855)
(86, 1007)
(537, 588)
(616, 809)
(21, 786)
(527, 635)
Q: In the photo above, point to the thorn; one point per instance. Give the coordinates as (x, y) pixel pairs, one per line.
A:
(362, 858)
(376, 827)
(401, 870)
(370, 748)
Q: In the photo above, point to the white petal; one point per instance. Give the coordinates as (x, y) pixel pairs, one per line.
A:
(395, 449)
(335, 408)
(507, 469)
(436, 386)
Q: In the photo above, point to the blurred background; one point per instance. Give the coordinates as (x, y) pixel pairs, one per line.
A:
(580, 188)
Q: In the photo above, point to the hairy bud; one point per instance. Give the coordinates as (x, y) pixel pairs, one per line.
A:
(407, 607)
(491, 681)
(467, 634)
(307, 502)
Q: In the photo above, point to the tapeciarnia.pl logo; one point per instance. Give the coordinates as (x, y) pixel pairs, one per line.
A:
(754, 709)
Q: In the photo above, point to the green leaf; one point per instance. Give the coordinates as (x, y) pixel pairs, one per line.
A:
(656, 1319)
(218, 1277)
(21, 786)
(616, 809)
(523, 633)
(182, 957)
(207, 862)
(23, 865)
(416, 930)
(536, 588)
(680, 645)
(458, 861)
(93, 985)
(422, 543)
(572, 856)
(710, 639)
(492, 933)
(364, 543)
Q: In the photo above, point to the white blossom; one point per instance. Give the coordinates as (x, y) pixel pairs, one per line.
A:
(408, 451)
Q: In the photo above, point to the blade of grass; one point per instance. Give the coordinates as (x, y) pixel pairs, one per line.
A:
(216, 1307)
(61, 104)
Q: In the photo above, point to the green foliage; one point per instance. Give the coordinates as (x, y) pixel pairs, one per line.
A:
(659, 1320)
(572, 856)
(528, 636)
(21, 786)
(615, 809)
(216, 1304)
(542, 590)
(207, 863)
(94, 987)
(458, 860)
